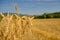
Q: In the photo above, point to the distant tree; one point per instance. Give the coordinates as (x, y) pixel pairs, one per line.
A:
(44, 15)
(51, 16)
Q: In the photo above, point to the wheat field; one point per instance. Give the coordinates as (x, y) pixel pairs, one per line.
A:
(14, 27)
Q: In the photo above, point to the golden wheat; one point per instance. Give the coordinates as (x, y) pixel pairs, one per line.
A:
(13, 27)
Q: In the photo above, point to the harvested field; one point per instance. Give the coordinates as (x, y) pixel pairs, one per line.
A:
(14, 27)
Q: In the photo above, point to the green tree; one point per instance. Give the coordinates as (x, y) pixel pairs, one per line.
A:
(44, 15)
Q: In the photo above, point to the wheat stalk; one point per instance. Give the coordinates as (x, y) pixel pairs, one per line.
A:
(15, 27)
(2, 15)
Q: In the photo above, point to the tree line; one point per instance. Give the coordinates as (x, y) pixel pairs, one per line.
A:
(48, 15)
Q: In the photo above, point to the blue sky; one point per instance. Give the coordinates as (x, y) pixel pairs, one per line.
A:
(35, 7)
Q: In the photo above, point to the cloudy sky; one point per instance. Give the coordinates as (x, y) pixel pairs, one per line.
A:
(30, 6)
